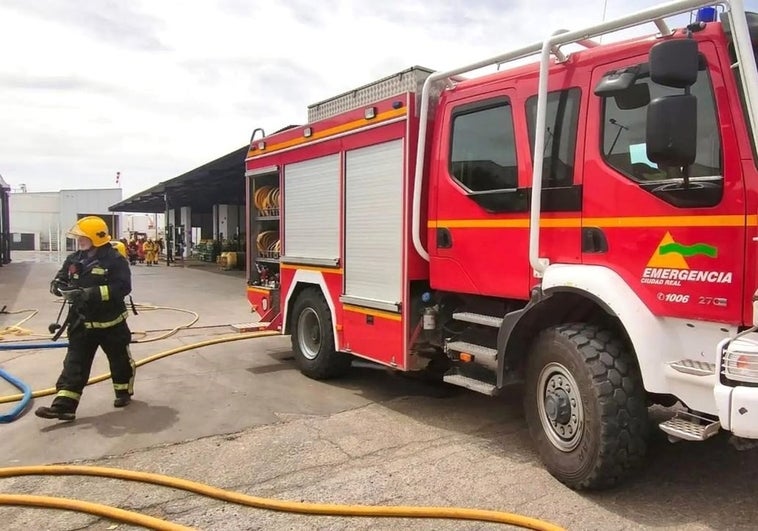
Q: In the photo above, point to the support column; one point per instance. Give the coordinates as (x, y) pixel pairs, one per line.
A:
(168, 237)
(215, 216)
(5, 225)
(223, 222)
(232, 222)
(186, 221)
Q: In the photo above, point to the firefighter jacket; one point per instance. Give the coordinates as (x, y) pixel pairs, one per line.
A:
(105, 279)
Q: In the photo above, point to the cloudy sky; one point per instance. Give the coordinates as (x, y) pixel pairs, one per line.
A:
(155, 88)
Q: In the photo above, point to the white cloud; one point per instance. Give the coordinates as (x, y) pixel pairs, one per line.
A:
(155, 88)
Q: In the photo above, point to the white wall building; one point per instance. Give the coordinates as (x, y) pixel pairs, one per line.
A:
(41, 220)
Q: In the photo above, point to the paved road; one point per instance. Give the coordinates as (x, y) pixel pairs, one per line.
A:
(240, 416)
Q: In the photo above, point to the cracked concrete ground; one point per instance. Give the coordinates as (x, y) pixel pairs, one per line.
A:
(239, 416)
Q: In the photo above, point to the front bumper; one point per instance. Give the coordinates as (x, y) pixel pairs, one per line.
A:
(737, 405)
(738, 409)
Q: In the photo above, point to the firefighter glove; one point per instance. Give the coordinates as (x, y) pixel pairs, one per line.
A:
(74, 295)
(55, 287)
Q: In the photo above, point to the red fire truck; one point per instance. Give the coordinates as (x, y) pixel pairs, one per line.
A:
(584, 226)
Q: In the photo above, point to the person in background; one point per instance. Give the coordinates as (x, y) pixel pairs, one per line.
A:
(150, 252)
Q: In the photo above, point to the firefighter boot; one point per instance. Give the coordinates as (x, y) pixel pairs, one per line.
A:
(62, 408)
(123, 398)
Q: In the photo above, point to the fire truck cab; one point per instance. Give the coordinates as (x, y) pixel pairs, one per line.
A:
(583, 226)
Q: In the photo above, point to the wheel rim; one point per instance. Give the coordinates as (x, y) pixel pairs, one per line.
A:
(309, 333)
(560, 407)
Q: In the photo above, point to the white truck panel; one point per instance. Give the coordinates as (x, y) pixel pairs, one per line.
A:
(312, 208)
(374, 223)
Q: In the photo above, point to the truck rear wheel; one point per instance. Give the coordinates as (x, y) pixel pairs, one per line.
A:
(313, 338)
(585, 405)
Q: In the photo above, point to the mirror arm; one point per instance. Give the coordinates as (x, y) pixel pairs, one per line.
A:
(686, 177)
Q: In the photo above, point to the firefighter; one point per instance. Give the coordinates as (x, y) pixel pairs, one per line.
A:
(120, 247)
(94, 281)
(150, 249)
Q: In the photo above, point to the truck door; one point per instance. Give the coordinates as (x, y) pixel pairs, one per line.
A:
(679, 245)
(477, 235)
(480, 231)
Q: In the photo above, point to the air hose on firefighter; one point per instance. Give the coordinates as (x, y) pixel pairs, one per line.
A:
(239, 498)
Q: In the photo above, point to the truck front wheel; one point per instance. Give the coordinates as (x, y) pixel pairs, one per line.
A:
(313, 338)
(585, 405)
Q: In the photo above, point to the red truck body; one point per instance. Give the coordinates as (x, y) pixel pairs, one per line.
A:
(359, 246)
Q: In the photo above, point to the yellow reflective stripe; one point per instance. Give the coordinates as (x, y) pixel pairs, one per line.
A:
(105, 293)
(134, 371)
(99, 271)
(121, 387)
(69, 394)
(727, 220)
(106, 324)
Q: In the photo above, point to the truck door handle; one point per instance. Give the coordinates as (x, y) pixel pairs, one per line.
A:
(444, 238)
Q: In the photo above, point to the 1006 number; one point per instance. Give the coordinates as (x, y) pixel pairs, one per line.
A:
(674, 297)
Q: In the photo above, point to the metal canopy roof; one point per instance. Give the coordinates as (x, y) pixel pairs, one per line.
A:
(219, 182)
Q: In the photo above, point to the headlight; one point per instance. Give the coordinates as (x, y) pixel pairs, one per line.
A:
(740, 361)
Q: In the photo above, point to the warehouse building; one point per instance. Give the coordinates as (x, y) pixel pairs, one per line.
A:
(40, 220)
(206, 204)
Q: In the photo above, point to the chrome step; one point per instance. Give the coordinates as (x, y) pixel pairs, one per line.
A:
(478, 318)
(694, 367)
(471, 348)
(251, 327)
(689, 427)
(470, 383)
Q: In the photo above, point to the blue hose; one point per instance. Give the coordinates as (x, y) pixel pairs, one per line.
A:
(15, 412)
(32, 346)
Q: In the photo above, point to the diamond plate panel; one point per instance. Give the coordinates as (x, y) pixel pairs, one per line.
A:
(410, 80)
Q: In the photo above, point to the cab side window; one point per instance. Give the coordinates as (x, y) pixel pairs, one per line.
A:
(562, 120)
(483, 147)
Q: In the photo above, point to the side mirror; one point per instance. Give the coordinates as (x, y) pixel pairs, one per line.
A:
(634, 97)
(617, 81)
(671, 134)
(674, 63)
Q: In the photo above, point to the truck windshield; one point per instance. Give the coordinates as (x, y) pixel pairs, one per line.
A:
(624, 147)
(624, 135)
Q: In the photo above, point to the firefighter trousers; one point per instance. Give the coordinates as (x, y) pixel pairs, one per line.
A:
(82, 346)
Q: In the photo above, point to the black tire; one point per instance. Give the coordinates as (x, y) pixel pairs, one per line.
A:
(313, 338)
(603, 437)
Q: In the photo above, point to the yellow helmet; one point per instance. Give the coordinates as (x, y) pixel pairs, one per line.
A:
(94, 228)
(120, 247)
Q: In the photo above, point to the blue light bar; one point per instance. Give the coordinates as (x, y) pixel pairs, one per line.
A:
(706, 14)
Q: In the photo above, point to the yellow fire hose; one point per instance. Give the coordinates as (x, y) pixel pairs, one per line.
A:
(134, 518)
(16, 330)
(240, 499)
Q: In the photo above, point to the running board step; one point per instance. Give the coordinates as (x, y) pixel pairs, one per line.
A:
(694, 367)
(471, 383)
(478, 318)
(689, 427)
(251, 327)
(477, 351)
